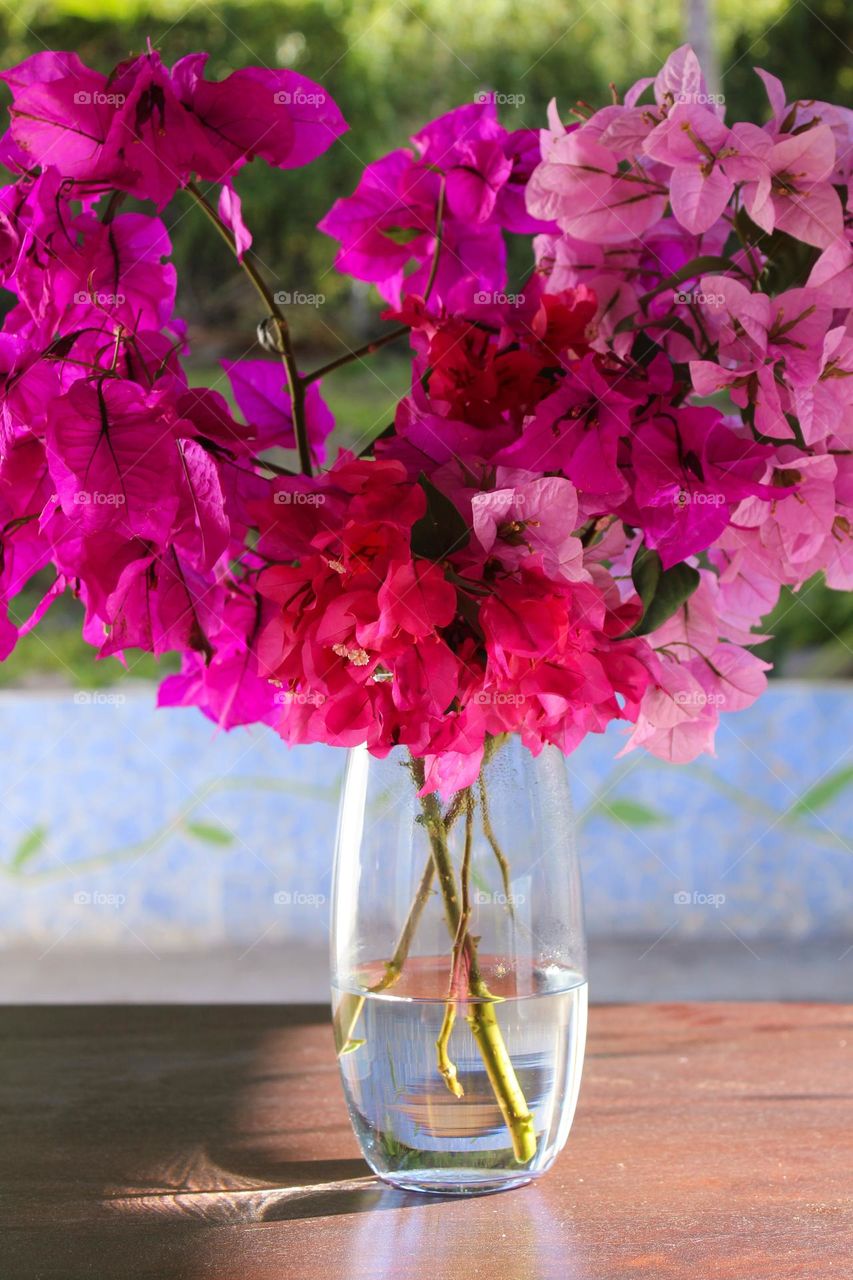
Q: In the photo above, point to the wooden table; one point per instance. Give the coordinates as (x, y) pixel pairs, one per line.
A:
(181, 1143)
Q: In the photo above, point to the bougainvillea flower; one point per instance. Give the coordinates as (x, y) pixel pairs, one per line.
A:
(500, 559)
(582, 188)
(787, 182)
(112, 456)
(526, 516)
(691, 471)
(279, 116)
(260, 389)
(697, 146)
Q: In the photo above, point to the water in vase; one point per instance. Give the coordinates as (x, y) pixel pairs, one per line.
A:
(413, 1130)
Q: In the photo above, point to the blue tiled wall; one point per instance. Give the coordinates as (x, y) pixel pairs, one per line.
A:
(128, 827)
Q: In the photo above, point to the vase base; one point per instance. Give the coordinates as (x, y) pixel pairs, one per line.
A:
(446, 1182)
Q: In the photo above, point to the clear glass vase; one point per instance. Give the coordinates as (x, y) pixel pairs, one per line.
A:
(459, 969)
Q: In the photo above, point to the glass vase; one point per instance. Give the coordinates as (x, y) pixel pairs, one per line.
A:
(459, 969)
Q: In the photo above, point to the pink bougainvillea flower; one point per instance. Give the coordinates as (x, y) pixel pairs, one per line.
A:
(117, 275)
(382, 225)
(582, 188)
(793, 528)
(696, 144)
(227, 688)
(794, 117)
(113, 459)
(479, 170)
(787, 182)
(753, 327)
(577, 430)
(833, 273)
(756, 389)
(62, 114)
(390, 222)
(231, 213)
(202, 529)
(680, 711)
(152, 134)
(522, 148)
(260, 390)
(147, 130)
(438, 143)
(607, 271)
(824, 407)
(527, 516)
(160, 604)
(279, 116)
(691, 470)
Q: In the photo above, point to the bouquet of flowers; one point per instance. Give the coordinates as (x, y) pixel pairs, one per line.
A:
(591, 494)
(589, 498)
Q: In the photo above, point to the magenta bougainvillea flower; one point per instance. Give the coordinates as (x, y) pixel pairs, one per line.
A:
(466, 164)
(555, 532)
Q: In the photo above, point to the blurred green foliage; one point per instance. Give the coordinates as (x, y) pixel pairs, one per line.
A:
(392, 65)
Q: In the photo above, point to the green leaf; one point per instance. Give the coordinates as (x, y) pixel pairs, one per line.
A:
(662, 591)
(29, 845)
(210, 833)
(818, 796)
(698, 267)
(671, 324)
(441, 529)
(646, 573)
(631, 812)
(401, 235)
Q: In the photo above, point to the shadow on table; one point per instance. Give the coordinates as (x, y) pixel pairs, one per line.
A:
(131, 1135)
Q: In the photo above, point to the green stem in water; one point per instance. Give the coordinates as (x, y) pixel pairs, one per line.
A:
(349, 1010)
(445, 1063)
(482, 1018)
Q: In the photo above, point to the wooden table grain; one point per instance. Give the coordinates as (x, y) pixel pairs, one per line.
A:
(212, 1143)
